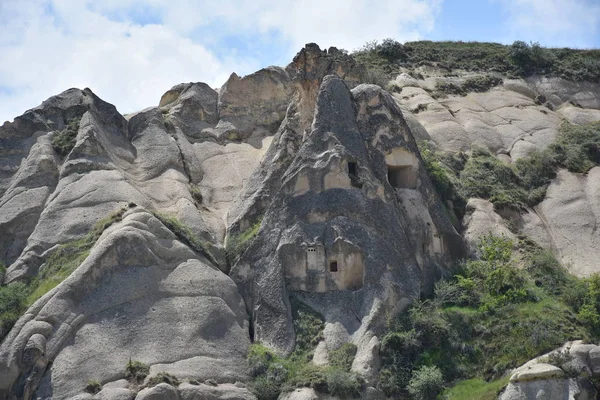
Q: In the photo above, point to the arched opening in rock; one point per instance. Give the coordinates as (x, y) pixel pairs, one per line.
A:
(402, 177)
(402, 167)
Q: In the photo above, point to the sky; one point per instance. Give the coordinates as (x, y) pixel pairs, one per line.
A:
(129, 52)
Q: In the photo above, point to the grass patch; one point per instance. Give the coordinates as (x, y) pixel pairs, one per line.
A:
(524, 183)
(136, 371)
(163, 377)
(64, 141)
(185, 234)
(476, 389)
(93, 387)
(17, 297)
(239, 242)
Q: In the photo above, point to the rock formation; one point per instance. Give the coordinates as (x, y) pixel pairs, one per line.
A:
(178, 235)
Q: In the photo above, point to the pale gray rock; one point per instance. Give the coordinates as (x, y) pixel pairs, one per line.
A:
(208, 392)
(480, 220)
(252, 105)
(109, 393)
(569, 214)
(191, 106)
(141, 295)
(554, 389)
(24, 200)
(559, 91)
(162, 391)
(579, 116)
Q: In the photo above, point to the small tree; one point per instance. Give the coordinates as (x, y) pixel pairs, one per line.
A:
(391, 49)
(426, 383)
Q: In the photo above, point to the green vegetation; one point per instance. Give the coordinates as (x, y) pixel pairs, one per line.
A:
(93, 387)
(64, 141)
(62, 261)
(343, 357)
(517, 185)
(239, 242)
(476, 389)
(489, 317)
(518, 59)
(185, 234)
(196, 193)
(163, 377)
(136, 371)
(272, 374)
(426, 383)
(12, 305)
(441, 169)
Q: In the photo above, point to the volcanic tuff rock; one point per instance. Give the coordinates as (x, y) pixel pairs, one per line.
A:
(539, 379)
(226, 207)
(335, 222)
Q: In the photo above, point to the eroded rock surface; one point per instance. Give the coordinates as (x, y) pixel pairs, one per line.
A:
(142, 294)
(353, 226)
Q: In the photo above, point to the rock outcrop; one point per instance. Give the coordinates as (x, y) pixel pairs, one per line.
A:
(539, 379)
(354, 228)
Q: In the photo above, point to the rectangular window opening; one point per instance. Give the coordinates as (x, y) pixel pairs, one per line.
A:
(333, 267)
(352, 168)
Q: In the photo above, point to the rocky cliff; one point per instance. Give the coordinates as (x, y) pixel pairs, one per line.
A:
(171, 239)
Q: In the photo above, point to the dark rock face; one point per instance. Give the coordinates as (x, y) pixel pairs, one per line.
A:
(336, 233)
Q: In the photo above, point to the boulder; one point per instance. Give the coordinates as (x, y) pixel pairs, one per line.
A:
(162, 391)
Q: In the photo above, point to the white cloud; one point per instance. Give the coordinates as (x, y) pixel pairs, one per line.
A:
(129, 52)
(554, 22)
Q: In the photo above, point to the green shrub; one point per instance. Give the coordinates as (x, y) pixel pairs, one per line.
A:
(377, 77)
(93, 387)
(449, 88)
(444, 179)
(426, 383)
(481, 83)
(547, 272)
(518, 59)
(390, 50)
(343, 357)
(64, 141)
(136, 371)
(163, 377)
(308, 326)
(265, 388)
(259, 359)
(196, 193)
(577, 147)
(343, 384)
(487, 177)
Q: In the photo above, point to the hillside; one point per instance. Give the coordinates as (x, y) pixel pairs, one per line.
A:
(303, 233)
